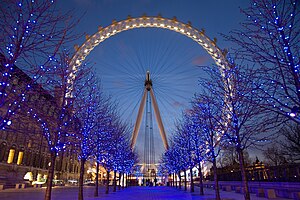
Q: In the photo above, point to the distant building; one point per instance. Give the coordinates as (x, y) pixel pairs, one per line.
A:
(24, 151)
(289, 172)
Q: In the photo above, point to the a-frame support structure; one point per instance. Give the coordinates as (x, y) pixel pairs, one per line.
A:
(148, 88)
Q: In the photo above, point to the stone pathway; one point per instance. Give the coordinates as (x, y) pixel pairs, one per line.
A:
(131, 193)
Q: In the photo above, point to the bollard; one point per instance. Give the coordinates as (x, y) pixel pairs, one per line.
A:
(270, 194)
(260, 192)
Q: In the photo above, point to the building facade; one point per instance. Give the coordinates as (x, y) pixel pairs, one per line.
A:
(24, 149)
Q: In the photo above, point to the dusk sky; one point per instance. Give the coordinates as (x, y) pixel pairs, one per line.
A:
(121, 61)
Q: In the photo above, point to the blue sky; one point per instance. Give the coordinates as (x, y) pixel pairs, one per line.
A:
(122, 61)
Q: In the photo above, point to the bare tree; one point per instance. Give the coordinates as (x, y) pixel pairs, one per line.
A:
(274, 155)
(186, 147)
(102, 136)
(31, 35)
(269, 39)
(88, 107)
(245, 122)
(60, 126)
(208, 116)
(229, 157)
(291, 143)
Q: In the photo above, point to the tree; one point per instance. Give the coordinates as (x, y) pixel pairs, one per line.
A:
(59, 124)
(33, 33)
(208, 116)
(102, 133)
(63, 130)
(198, 151)
(229, 157)
(173, 159)
(129, 161)
(88, 108)
(105, 151)
(182, 152)
(269, 39)
(122, 151)
(274, 156)
(113, 150)
(291, 143)
(245, 121)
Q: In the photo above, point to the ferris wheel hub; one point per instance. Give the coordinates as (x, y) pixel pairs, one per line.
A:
(148, 81)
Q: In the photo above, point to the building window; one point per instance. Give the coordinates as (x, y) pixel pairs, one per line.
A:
(29, 144)
(20, 158)
(11, 156)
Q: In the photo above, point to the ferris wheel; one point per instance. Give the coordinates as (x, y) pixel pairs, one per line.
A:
(153, 44)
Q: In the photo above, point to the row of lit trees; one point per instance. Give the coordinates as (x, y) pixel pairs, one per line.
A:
(87, 121)
(34, 38)
(239, 105)
(105, 138)
(34, 34)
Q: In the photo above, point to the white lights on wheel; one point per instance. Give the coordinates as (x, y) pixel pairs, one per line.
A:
(159, 22)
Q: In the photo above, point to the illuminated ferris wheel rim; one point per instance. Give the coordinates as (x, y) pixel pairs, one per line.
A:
(143, 22)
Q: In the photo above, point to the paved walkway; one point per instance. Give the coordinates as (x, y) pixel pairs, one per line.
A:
(131, 193)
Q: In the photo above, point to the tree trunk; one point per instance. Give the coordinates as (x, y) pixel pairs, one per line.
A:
(185, 186)
(175, 180)
(50, 177)
(192, 181)
(173, 184)
(107, 183)
(129, 180)
(80, 192)
(123, 181)
(201, 180)
(97, 181)
(217, 189)
(179, 180)
(244, 175)
(120, 175)
(115, 181)
(126, 181)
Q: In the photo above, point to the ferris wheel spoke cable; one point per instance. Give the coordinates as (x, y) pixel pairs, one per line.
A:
(121, 70)
(171, 74)
(129, 111)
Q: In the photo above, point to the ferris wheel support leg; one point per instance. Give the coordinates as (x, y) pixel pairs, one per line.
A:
(159, 120)
(138, 120)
